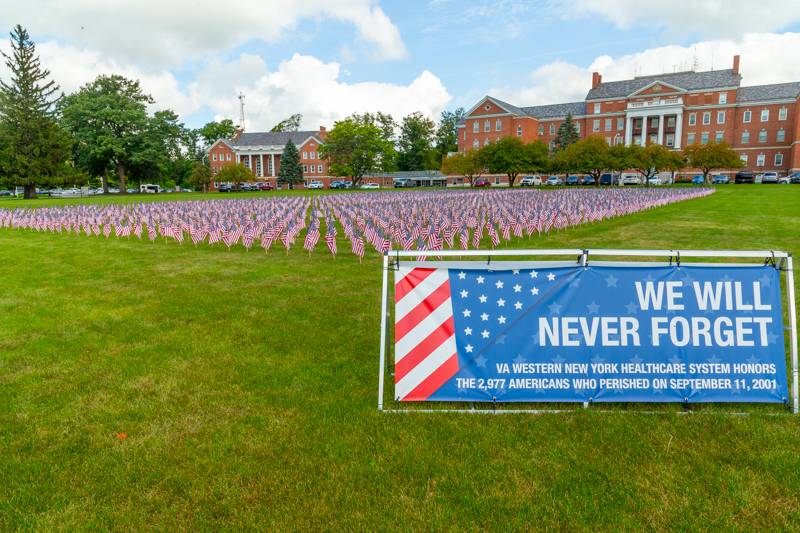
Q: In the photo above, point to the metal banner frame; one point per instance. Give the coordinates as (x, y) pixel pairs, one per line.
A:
(781, 260)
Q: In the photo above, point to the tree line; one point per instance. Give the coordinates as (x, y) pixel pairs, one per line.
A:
(592, 156)
(107, 133)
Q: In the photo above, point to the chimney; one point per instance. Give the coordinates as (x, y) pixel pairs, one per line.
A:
(237, 132)
(596, 79)
(736, 64)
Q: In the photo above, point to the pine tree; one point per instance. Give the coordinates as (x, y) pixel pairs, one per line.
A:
(290, 172)
(567, 134)
(35, 148)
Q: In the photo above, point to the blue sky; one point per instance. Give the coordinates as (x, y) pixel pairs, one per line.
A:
(329, 58)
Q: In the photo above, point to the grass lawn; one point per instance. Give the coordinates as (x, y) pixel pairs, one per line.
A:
(245, 387)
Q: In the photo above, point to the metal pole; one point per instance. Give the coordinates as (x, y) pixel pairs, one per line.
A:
(384, 316)
(793, 331)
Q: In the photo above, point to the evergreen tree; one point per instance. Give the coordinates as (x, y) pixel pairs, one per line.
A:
(290, 172)
(34, 148)
(567, 134)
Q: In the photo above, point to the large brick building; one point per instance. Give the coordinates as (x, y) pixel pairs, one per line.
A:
(762, 123)
(261, 153)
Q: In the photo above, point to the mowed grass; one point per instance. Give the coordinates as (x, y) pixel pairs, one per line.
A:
(245, 386)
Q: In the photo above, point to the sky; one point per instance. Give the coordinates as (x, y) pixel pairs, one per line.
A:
(327, 59)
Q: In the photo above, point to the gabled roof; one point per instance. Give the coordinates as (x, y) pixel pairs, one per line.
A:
(555, 110)
(689, 81)
(775, 91)
(514, 110)
(268, 138)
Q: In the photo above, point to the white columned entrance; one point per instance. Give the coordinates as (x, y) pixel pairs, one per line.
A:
(678, 129)
(272, 164)
(661, 129)
(262, 173)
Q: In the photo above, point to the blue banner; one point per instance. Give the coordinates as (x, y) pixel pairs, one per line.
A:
(589, 334)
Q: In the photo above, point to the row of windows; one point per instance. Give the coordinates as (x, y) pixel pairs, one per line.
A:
(780, 136)
(783, 113)
(706, 117)
(487, 126)
(310, 169)
(227, 157)
(309, 155)
(761, 159)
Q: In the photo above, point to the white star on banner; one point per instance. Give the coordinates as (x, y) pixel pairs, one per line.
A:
(501, 319)
(519, 359)
(611, 281)
(481, 361)
(467, 313)
(485, 334)
(467, 331)
(517, 287)
(501, 303)
(464, 293)
(462, 275)
(484, 317)
(534, 291)
(479, 279)
(593, 308)
(515, 271)
(555, 308)
(468, 348)
(517, 305)
(551, 277)
(499, 284)
(482, 298)
(534, 274)
(632, 308)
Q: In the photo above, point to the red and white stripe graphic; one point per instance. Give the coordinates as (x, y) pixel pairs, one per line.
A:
(424, 332)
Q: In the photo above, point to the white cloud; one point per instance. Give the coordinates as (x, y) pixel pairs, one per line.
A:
(712, 18)
(172, 32)
(763, 61)
(304, 84)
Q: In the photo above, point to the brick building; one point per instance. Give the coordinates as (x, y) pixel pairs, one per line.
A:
(762, 123)
(261, 153)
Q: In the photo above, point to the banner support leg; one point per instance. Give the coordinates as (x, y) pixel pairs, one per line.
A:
(793, 332)
(384, 297)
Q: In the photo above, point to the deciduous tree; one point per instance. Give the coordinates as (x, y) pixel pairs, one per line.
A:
(711, 156)
(359, 145)
(447, 132)
(289, 124)
(470, 164)
(236, 173)
(415, 142)
(510, 156)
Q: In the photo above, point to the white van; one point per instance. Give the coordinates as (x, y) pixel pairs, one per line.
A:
(149, 188)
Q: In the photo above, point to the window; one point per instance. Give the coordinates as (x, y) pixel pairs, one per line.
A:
(552, 146)
(746, 116)
(692, 119)
(745, 137)
(670, 139)
(486, 126)
(764, 115)
(213, 157)
(305, 169)
(258, 166)
(475, 143)
(617, 139)
(519, 131)
(620, 124)
(780, 136)
(228, 157)
(690, 138)
(718, 138)
(760, 160)
(762, 136)
(704, 138)
(305, 155)
(723, 98)
(552, 129)
(743, 157)
(313, 155)
(778, 160)
(608, 124)
(247, 162)
(671, 122)
(486, 142)
(577, 127)
(596, 124)
(782, 113)
(609, 140)
(654, 122)
(706, 117)
(319, 169)
(720, 117)
(475, 127)
(596, 108)
(498, 125)
(540, 131)
(464, 135)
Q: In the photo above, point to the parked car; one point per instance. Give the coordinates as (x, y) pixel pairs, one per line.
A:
(315, 184)
(720, 179)
(224, 187)
(5, 193)
(265, 186)
(481, 182)
(530, 181)
(573, 180)
(606, 179)
(794, 178)
(654, 180)
(588, 180)
(404, 182)
(698, 179)
(370, 186)
(554, 181)
(149, 188)
(630, 179)
(744, 176)
(769, 177)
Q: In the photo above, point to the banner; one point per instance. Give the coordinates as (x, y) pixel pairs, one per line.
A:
(596, 333)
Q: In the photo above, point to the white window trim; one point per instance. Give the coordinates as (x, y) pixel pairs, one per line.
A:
(780, 135)
(761, 159)
(778, 163)
(762, 115)
(706, 114)
(783, 113)
(476, 127)
(747, 116)
(721, 114)
(692, 119)
(498, 125)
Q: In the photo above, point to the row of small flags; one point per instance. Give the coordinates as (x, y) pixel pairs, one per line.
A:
(407, 220)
